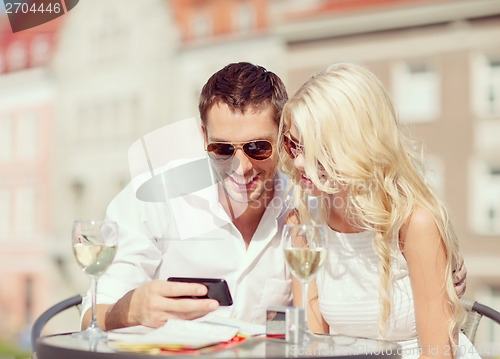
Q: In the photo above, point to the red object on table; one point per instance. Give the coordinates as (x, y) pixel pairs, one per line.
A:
(238, 338)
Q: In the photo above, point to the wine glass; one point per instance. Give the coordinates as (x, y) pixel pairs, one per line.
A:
(305, 252)
(94, 246)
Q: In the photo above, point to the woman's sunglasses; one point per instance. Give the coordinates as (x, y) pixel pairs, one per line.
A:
(257, 150)
(292, 147)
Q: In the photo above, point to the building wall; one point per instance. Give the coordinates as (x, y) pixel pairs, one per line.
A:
(107, 83)
(114, 82)
(205, 21)
(457, 139)
(25, 181)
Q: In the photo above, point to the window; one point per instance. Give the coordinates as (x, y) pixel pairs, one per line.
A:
(25, 210)
(28, 298)
(486, 89)
(2, 62)
(494, 86)
(485, 198)
(434, 174)
(6, 139)
(493, 207)
(27, 136)
(202, 25)
(17, 56)
(107, 121)
(119, 122)
(5, 212)
(40, 50)
(416, 91)
(245, 19)
(86, 119)
(127, 116)
(109, 39)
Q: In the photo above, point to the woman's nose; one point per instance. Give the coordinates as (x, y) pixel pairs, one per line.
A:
(299, 162)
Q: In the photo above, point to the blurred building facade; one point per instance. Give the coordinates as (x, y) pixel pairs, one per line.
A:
(112, 87)
(440, 62)
(122, 68)
(26, 155)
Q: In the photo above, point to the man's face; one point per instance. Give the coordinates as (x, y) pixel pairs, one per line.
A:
(244, 179)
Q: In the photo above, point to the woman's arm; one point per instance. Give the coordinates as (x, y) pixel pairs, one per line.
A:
(425, 254)
(315, 320)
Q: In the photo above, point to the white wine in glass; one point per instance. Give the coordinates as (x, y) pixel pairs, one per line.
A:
(305, 262)
(305, 249)
(94, 258)
(94, 246)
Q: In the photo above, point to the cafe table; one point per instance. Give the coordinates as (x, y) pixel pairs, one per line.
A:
(66, 346)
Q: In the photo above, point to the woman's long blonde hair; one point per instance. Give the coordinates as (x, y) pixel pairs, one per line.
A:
(347, 123)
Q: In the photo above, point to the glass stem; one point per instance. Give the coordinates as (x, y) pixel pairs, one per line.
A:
(93, 320)
(305, 287)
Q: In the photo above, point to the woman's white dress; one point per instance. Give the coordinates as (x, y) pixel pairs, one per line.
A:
(349, 296)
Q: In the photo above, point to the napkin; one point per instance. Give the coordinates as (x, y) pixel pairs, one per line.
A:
(175, 334)
(244, 328)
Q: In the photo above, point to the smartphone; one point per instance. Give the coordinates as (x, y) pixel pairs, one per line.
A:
(217, 288)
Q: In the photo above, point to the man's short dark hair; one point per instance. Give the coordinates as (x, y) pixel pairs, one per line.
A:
(241, 86)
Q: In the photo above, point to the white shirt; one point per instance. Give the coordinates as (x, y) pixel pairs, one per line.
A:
(149, 248)
(348, 289)
(349, 297)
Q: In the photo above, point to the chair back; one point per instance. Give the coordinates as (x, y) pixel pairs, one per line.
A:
(474, 313)
(49, 313)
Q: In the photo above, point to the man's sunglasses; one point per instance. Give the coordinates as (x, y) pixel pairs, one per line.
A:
(293, 148)
(258, 150)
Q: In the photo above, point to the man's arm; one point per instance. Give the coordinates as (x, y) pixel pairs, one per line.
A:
(152, 304)
(143, 300)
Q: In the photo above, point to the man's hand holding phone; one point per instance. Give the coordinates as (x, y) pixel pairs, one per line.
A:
(152, 304)
(217, 288)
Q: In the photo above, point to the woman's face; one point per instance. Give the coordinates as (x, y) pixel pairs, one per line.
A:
(299, 162)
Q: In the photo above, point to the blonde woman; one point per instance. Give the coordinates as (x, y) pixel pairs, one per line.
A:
(392, 250)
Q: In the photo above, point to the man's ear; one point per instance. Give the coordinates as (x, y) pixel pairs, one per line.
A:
(204, 133)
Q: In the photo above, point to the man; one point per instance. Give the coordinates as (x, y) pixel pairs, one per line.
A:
(240, 108)
(241, 104)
